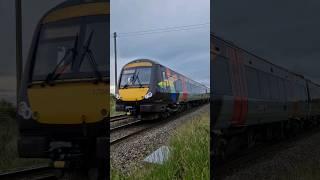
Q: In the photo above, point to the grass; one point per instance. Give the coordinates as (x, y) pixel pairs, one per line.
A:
(113, 111)
(189, 155)
(9, 133)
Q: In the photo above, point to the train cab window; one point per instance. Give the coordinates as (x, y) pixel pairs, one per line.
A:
(135, 77)
(97, 27)
(61, 46)
(55, 43)
(221, 76)
(252, 82)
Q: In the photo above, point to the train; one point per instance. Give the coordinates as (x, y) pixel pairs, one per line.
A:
(63, 108)
(254, 100)
(149, 90)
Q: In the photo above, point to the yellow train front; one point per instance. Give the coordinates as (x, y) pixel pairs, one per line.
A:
(63, 104)
(147, 89)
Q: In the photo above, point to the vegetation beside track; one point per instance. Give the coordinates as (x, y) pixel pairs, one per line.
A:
(113, 111)
(189, 155)
(8, 140)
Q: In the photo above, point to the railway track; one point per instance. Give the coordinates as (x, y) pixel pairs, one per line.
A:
(136, 127)
(135, 122)
(118, 118)
(35, 173)
(123, 137)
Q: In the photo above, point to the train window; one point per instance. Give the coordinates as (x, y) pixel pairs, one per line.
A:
(55, 44)
(296, 92)
(289, 91)
(252, 82)
(97, 27)
(282, 89)
(264, 85)
(178, 85)
(221, 77)
(303, 93)
(275, 94)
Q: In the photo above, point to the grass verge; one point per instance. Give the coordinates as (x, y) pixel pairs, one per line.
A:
(9, 133)
(113, 111)
(189, 155)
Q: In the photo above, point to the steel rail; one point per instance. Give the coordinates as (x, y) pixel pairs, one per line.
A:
(112, 142)
(42, 172)
(118, 118)
(127, 125)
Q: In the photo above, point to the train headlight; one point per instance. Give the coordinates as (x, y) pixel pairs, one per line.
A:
(118, 96)
(24, 110)
(148, 95)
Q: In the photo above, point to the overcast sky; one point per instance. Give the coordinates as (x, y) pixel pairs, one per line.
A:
(186, 52)
(32, 12)
(284, 32)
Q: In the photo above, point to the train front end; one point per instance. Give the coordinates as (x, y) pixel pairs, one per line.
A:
(63, 105)
(136, 94)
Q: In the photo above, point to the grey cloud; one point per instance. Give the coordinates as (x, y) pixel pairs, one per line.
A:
(283, 32)
(184, 51)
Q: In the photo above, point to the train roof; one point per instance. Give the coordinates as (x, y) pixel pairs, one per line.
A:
(69, 3)
(275, 65)
(75, 2)
(157, 63)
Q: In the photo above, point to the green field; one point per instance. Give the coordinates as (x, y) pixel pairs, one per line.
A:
(189, 155)
(8, 140)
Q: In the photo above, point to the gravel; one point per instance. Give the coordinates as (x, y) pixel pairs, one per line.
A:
(290, 162)
(128, 155)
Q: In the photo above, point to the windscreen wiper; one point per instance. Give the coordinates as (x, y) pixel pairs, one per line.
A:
(88, 52)
(136, 77)
(54, 75)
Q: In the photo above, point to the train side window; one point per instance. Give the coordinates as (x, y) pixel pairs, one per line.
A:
(289, 91)
(164, 76)
(282, 89)
(178, 85)
(274, 87)
(221, 77)
(264, 85)
(296, 92)
(303, 93)
(252, 82)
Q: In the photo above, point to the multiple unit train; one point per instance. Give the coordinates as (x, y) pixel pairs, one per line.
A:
(63, 104)
(253, 98)
(149, 88)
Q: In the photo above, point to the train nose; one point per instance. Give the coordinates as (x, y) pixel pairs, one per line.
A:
(133, 94)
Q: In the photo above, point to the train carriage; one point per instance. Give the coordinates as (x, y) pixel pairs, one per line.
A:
(147, 87)
(253, 97)
(63, 104)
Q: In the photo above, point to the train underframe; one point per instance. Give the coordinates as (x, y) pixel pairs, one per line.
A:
(152, 111)
(227, 143)
(69, 150)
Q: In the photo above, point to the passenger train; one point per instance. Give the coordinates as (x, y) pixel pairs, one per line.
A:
(150, 90)
(63, 106)
(253, 99)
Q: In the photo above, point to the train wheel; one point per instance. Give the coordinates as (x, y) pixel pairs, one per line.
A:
(165, 115)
